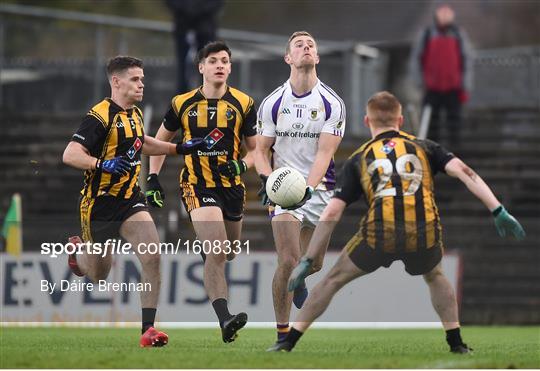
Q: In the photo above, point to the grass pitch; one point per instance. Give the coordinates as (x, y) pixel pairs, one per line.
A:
(494, 347)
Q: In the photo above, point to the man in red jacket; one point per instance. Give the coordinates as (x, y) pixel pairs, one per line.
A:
(441, 63)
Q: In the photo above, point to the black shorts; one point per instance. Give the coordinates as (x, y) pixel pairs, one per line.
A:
(101, 217)
(231, 200)
(416, 263)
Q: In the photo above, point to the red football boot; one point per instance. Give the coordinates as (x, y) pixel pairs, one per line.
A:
(72, 258)
(153, 338)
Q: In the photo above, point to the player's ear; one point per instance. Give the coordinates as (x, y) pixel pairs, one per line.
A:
(115, 81)
(317, 59)
(400, 121)
(366, 121)
(201, 68)
(287, 58)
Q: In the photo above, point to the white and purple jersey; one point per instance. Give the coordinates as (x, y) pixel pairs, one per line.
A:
(297, 122)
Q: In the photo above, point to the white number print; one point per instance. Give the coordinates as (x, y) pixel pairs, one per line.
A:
(384, 178)
(212, 114)
(414, 176)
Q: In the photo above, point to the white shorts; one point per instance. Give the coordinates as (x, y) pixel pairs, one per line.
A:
(310, 213)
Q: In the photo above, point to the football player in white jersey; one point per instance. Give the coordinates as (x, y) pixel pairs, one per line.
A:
(302, 122)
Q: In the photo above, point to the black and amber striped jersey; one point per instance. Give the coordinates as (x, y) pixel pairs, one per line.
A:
(222, 123)
(394, 171)
(109, 131)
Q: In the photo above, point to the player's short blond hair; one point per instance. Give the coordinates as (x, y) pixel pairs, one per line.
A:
(295, 35)
(383, 109)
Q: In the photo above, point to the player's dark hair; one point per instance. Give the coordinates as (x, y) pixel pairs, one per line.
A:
(121, 63)
(383, 108)
(211, 48)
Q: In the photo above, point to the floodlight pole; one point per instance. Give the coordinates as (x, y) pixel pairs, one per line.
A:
(245, 72)
(2, 46)
(98, 58)
(355, 76)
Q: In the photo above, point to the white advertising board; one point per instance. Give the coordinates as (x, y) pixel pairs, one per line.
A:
(385, 296)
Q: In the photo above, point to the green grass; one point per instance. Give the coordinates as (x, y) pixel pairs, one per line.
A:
(495, 347)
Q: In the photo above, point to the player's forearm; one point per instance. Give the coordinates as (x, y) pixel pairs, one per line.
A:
(476, 185)
(153, 147)
(261, 159)
(262, 154)
(251, 146)
(83, 162)
(155, 164)
(157, 150)
(319, 168)
(75, 157)
(320, 239)
(480, 189)
(249, 159)
(327, 147)
(327, 222)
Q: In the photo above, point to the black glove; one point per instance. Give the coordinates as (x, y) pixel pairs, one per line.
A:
(190, 146)
(262, 192)
(307, 196)
(118, 165)
(232, 168)
(154, 193)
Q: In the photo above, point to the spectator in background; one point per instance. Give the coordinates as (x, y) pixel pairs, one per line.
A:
(441, 64)
(198, 16)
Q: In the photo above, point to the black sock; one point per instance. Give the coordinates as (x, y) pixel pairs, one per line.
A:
(453, 337)
(220, 307)
(282, 331)
(294, 336)
(148, 317)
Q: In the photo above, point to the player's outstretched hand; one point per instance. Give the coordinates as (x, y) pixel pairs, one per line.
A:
(300, 273)
(154, 193)
(190, 146)
(302, 202)
(118, 165)
(262, 191)
(232, 168)
(506, 224)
